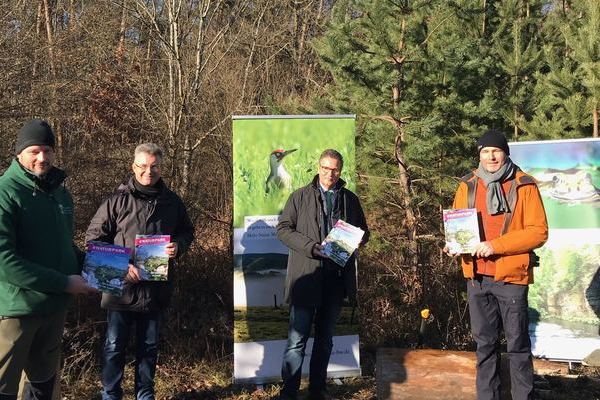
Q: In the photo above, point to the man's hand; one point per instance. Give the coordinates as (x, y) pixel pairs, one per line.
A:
(171, 249)
(77, 285)
(317, 251)
(483, 249)
(447, 250)
(133, 274)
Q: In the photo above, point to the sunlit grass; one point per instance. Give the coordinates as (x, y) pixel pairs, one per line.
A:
(253, 142)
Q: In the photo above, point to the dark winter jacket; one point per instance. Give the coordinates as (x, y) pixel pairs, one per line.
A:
(301, 227)
(37, 253)
(128, 212)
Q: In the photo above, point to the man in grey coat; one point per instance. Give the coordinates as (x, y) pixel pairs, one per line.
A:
(316, 286)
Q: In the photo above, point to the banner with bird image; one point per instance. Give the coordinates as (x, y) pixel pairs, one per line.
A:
(272, 157)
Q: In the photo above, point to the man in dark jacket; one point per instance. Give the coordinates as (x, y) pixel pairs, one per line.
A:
(39, 264)
(144, 206)
(315, 286)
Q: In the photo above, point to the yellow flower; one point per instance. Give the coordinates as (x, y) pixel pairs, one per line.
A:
(425, 313)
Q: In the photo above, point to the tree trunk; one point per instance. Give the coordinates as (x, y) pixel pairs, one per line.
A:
(484, 16)
(52, 103)
(38, 30)
(516, 125)
(121, 46)
(595, 118)
(412, 258)
(49, 37)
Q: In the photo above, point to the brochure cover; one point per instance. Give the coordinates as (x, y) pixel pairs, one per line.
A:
(461, 229)
(151, 256)
(341, 242)
(105, 266)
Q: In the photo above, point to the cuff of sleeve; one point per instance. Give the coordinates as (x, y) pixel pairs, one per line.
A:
(497, 246)
(308, 251)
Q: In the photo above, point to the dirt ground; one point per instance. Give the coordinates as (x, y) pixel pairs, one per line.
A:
(212, 382)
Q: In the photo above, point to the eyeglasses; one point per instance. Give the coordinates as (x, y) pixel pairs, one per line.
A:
(327, 169)
(144, 167)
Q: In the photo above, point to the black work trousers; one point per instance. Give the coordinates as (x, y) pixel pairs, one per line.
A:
(494, 306)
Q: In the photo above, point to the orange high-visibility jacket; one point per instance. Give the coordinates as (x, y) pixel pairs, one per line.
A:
(525, 228)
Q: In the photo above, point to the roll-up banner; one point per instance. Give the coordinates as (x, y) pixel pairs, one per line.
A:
(272, 157)
(564, 301)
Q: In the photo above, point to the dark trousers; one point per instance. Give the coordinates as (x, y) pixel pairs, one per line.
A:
(146, 354)
(32, 344)
(493, 306)
(301, 319)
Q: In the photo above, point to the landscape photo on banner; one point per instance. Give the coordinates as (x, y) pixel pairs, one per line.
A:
(272, 157)
(564, 301)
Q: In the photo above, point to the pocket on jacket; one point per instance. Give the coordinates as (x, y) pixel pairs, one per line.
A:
(514, 267)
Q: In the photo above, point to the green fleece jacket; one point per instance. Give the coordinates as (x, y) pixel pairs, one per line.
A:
(36, 243)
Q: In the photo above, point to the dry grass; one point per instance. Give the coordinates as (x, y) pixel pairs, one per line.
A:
(212, 381)
(208, 381)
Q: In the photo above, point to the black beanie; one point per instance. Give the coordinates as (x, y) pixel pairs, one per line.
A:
(34, 133)
(493, 138)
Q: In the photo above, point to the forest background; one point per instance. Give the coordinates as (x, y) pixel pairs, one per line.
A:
(425, 78)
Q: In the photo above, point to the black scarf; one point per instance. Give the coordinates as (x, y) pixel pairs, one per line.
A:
(148, 192)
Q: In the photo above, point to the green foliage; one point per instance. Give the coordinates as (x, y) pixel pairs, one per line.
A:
(436, 74)
(565, 282)
(568, 87)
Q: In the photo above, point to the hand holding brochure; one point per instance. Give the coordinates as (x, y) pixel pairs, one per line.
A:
(341, 242)
(105, 266)
(151, 256)
(461, 230)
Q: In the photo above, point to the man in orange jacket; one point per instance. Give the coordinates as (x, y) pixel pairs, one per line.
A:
(499, 270)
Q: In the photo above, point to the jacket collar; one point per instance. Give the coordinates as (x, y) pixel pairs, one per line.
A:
(315, 183)
(49, 183)
(520, 177)
(129, 186)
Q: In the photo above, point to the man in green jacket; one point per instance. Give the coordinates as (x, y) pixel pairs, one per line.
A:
(39, 264)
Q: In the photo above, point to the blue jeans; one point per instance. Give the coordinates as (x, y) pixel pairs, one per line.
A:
(117, 337)
(493, 307)
(301, 319)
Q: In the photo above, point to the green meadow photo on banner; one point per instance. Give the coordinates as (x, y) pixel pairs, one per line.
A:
(272, 157)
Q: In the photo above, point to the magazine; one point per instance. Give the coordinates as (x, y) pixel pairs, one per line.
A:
(341, 242)
(461, 230)
(151, 256)
(105, 266)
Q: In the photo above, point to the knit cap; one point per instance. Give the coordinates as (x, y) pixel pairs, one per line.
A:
(493, 138)
(34, 133)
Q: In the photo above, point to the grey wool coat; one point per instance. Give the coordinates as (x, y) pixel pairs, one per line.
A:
(300, 227)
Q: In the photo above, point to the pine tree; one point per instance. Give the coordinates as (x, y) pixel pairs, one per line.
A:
(582, 41)
(514, 45)
(568, 87)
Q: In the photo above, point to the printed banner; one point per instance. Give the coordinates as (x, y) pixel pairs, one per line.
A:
(272, 157)
(564, 301)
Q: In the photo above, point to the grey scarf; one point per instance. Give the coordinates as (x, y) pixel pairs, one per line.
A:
(495, 199)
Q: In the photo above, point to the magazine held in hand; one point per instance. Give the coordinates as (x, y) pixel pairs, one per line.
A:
(341, 242)
(105, 266)
(461, 230)
(151, 256)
